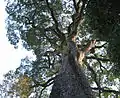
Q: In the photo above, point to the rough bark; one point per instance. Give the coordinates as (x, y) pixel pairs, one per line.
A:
(71, 81)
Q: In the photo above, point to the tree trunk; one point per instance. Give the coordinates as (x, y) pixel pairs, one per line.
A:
(70, 83)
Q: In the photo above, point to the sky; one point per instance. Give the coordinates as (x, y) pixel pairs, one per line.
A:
(10, 58)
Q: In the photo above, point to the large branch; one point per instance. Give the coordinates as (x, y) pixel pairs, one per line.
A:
(59, 33)
(78, 6)
(75, 5)
(77, 17)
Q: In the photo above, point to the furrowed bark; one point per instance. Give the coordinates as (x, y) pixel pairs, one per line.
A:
(71, 81)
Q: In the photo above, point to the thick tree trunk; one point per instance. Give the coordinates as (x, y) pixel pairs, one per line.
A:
(71, 81)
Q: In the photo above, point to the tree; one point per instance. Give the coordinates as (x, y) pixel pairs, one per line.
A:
(48, 27)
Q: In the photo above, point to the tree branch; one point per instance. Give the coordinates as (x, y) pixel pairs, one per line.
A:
(44, 89)
(50, 62)
(101, 66)
(61, 35)
(78, 6)
(101, 59)
(108, 91)
(50, 40)
(75, 5)
(44, 84)
(77, 17)
(101, 46)
(55, 52)
(95, 75)
(29, 21)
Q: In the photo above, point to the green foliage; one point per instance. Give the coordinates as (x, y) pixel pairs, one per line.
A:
(103, 18)
(23, 86)
(31, 22)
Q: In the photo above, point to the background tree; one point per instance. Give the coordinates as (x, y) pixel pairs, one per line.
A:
(47, 27)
